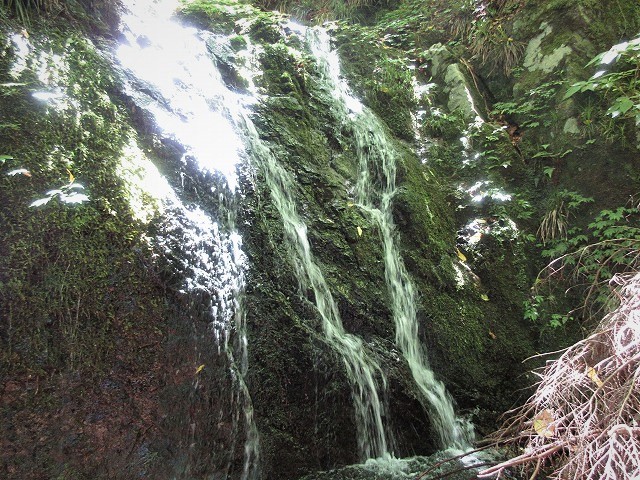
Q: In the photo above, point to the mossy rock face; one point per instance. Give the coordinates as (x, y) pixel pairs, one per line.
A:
(379, 75)
(98, 316)
(220, 16)
(295, 120)
(83, 319)
(57, 145)
(100, 344)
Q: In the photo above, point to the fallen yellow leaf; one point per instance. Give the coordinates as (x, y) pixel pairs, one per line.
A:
(543, 424)
(461, 255)
(359, 232)
(593, 375)
(199, 369)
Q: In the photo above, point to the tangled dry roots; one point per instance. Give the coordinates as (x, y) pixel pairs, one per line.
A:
(583, 421)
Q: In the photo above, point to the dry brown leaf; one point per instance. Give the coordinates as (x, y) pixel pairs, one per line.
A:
(543, 424)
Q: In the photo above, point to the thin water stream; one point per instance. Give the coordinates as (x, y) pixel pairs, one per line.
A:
(376, 154)
(363, 372)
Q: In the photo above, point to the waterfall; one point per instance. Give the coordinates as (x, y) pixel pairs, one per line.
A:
(168, 73)
(362, 370)
(375, 153)
(187, 98)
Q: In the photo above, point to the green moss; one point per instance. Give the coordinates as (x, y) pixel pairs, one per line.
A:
(218, 15)
(380, 76)
(59, 282)
(604, 23)
(282, 72)
(420, 207)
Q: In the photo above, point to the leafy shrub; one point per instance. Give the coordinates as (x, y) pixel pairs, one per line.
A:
(617, 78)
(587, 259)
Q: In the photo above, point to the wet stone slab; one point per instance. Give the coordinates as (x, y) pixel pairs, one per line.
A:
(425, 468)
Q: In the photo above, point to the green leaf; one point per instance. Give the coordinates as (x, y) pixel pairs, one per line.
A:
(621, 106)
(579, 238)
(615, 215)
(40, 202)
(610, 232)
(573, 89)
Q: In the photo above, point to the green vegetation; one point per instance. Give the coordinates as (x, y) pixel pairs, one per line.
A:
(531, 110)
(318, 11)
(587, 259)
(23, 10)
(554, 224)
(477, 30)
(380, 76)
(218, 15)
(59, 254)
(618, 81)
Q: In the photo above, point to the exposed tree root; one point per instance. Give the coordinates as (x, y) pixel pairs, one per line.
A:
(583, 421)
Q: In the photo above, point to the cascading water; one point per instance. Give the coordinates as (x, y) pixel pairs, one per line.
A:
(376, 153)
(188, 100)
(188, 105)
(362, 370)
(169, 74)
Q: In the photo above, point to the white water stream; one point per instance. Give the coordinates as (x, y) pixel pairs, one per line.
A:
(376, 153)
(362, 370)
(170, 75)
(190, 103)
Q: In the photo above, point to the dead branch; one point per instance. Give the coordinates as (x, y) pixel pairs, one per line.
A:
(582, 419)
